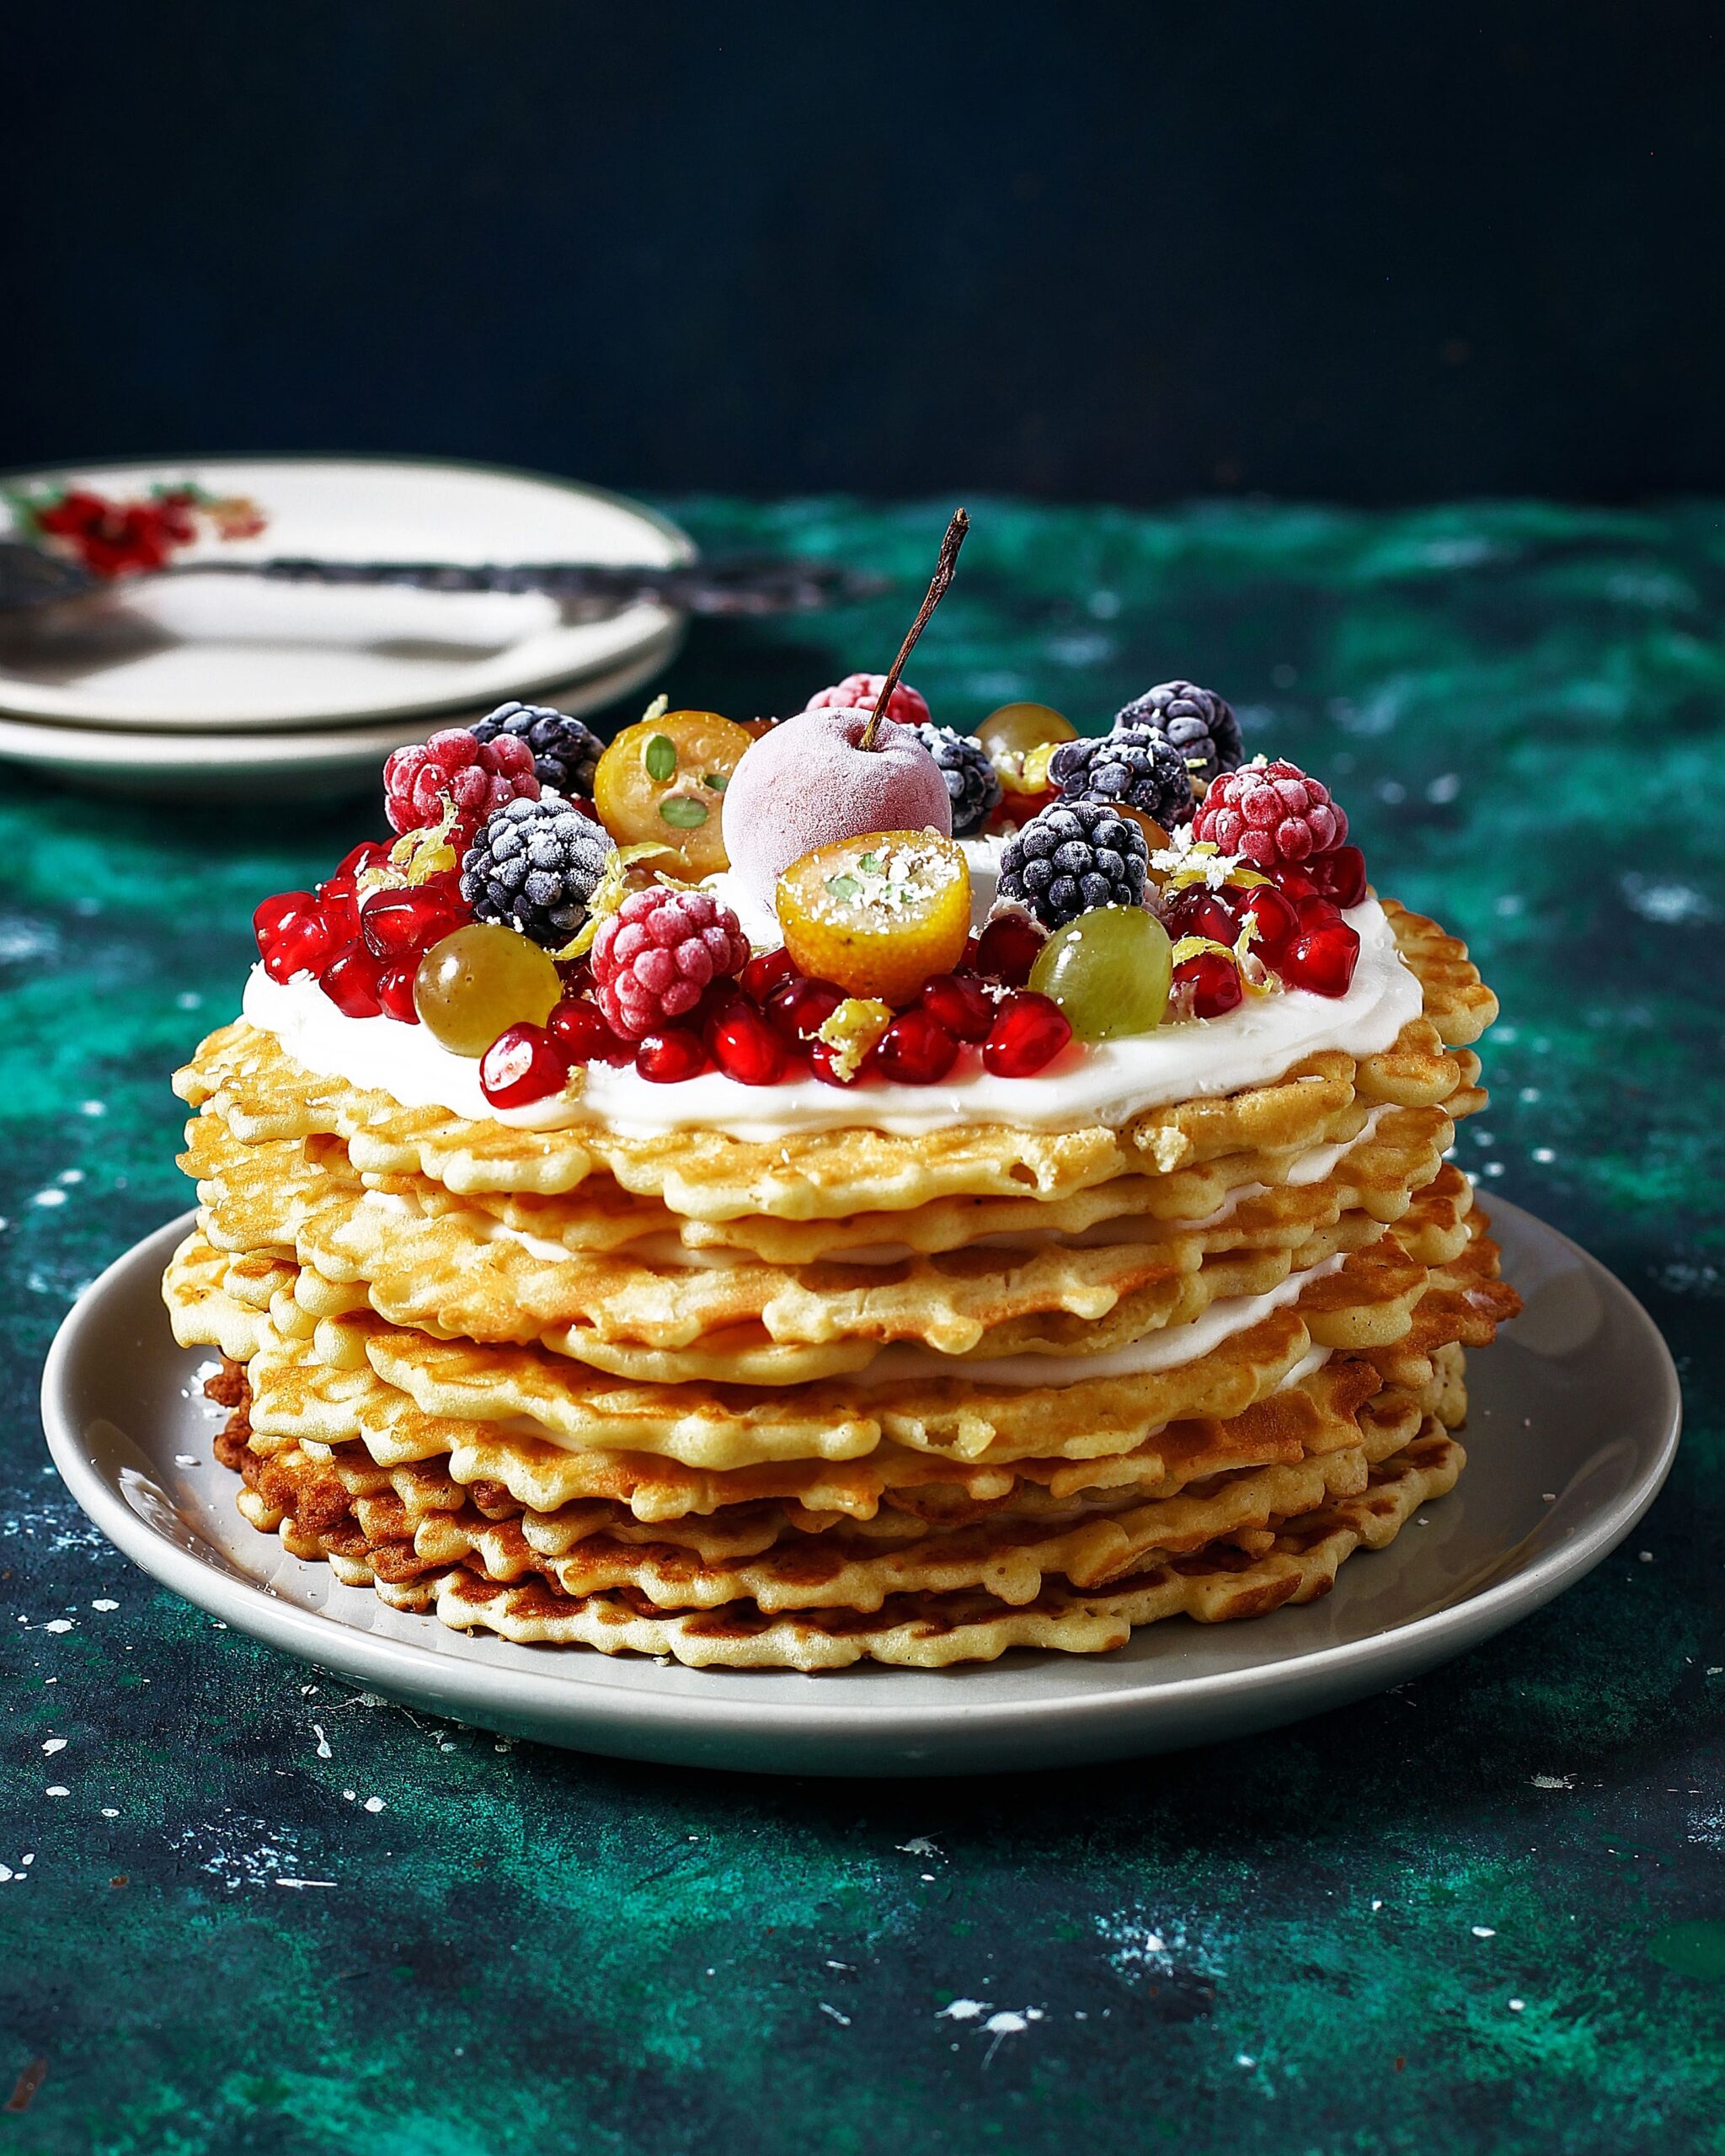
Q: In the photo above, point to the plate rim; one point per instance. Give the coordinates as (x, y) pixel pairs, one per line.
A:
(69, 744)
(286, 1627)
(664, 619)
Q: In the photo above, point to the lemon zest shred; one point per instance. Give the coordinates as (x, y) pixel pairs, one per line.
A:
(419, 855)
(852, 1029)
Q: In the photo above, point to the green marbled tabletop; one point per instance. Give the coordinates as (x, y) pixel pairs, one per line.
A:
(1485, 1911)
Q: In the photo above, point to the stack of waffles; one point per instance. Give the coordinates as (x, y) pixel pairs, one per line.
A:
(845, 1395)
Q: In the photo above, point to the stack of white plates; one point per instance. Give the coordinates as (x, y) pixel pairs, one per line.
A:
(207, 686)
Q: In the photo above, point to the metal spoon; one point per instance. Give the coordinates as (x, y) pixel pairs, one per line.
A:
(30, 577)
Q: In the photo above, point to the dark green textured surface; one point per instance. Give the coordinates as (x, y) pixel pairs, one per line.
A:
(1275, 1944)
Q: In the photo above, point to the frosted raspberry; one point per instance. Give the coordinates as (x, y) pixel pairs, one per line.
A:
(1273, 814)
(479, 777)
(657, 955)
(858, 693)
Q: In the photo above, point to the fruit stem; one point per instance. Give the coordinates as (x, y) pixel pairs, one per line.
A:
(937, 591)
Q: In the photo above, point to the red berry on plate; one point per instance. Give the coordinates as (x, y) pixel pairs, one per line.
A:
(479, 777)
(1211, 985)
(1028, 1033)
(305, 944)
(1297, 884)
(394, 922)
(916, 1050)
(579, 1029)
(668, 1057)
(1199, 911)
(822, 1061)
(858, 693)
(1323, 959)
(369, 853)
(657, 955)
(1278, 920)
(963, 1005)
(523, 1064)
(1269, 813)
(349, 980)
(278, 913)
(1317, 913)
(1007, 949)
(745, 1047)
(797, 1011)
(765, 974)
(1340, 875)
(395, 990)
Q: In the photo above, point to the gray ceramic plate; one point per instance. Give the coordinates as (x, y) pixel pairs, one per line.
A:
(297, 764)
(1575, 1417)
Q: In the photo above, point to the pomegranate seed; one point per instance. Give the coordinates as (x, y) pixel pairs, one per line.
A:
(962, 1006)
(1278, 922)
(276, 914)
(1214, 982)
(395, 923)
(579, 1029)
(1323, 959)
(799, 1009)
(1340, 875)
(444, 884)
(1200, 912)
(1030, 1031)
(522, 1064)
(395, 991)
(369, 853)
(1006, 949)
(349, 980)
(916, 1050)
(1317, 913)
(305, 946)
(766, 973)
(1295, 883)
(822, 1061)
(666, 1058)
(746, 1048)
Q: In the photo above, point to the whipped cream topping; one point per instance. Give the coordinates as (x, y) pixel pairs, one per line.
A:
(1106, 1083)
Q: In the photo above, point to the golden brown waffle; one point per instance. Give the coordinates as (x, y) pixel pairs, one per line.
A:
(460, 1271)
(1368, 1304)
(398, 1527)
(929, 1630)
(297, 1404)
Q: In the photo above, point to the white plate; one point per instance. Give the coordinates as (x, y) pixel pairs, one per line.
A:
(313, 761)
(224, 653)
(1579, 1398)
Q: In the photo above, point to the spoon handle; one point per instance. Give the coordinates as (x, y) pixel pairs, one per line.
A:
(30, 577)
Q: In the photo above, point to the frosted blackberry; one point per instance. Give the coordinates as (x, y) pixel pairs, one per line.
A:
(971, 778)
(537, 865)
(1137, 767)
(1198, 722)
(1074, 855)
(565, 753)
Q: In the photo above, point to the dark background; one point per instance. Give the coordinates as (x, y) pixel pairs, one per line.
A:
(1357, 253)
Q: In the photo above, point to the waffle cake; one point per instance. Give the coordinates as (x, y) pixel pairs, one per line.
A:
(827, 1237)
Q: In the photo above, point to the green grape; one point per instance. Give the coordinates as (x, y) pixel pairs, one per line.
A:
(478, 982)
(1108, 970)
(1022, 727)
